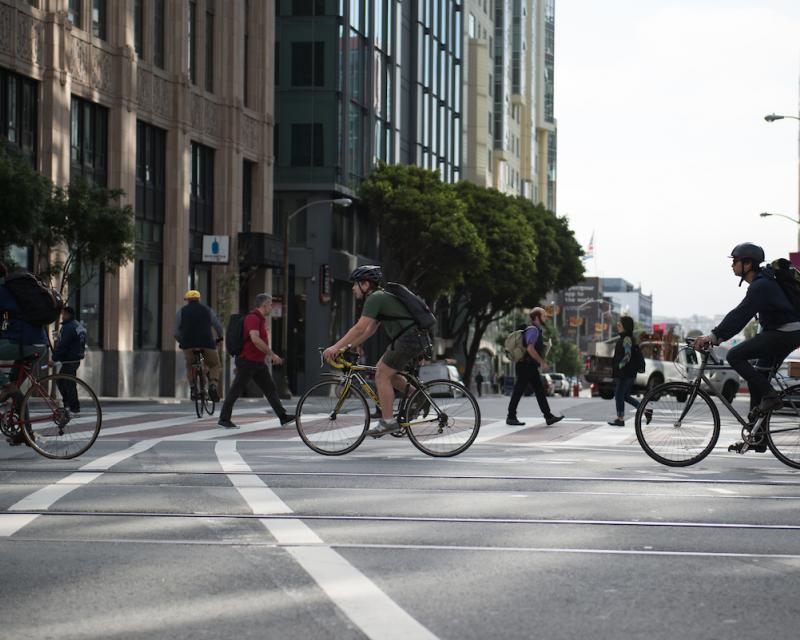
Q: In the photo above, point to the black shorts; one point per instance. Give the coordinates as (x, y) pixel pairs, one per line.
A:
(406, 349)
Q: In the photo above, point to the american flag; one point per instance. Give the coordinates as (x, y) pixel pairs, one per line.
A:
(589, 253)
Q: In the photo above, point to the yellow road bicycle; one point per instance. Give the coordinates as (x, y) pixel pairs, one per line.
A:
(440, 417)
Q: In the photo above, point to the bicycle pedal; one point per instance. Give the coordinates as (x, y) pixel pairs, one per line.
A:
(739, 447)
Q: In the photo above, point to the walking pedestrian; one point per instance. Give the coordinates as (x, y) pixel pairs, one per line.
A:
(251, 364)
(527, 371)
(624, 369)
(479, 383)
(69, 350)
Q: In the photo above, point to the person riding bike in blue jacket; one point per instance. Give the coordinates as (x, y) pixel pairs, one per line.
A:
(777, 317)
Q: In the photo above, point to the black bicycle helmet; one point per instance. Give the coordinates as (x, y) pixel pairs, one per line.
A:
(748, 251)
(370, 272)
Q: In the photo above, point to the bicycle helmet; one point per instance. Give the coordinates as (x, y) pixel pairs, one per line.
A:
(748, 251)
(193, 294)
(369, 272)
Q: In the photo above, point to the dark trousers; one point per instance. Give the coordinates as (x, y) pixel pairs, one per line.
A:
(528, 374)
(258, 372)
(622, 394)
(769, 348)
(68, 389)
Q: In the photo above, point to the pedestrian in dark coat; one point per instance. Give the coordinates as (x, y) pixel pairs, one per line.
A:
(624, 370)
(69, 350)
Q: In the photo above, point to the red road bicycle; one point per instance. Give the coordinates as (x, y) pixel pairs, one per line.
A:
(38, 412)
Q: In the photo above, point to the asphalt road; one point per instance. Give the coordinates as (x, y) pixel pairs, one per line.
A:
(172, 528)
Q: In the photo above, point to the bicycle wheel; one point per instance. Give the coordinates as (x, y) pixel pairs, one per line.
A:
(666, 440)
(199, 387)
(55, 430)
(332, 417)
(446, 426)
(783, 428)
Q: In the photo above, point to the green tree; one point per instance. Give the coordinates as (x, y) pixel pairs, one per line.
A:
(426, 236)
(25, 195)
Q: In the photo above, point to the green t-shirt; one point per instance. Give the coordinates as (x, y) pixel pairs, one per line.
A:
(379, 303)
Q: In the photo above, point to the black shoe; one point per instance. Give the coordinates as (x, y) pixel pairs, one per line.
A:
(227, 424)
(514, 422)
(551, 419)
(617, 423)
(213, 392)
(770, 401)
(287, 419)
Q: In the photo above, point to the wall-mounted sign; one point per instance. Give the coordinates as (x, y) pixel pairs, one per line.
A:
(216, 249)
(325, 284)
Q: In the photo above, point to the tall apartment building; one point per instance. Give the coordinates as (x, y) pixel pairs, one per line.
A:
(170, 101)
(356, 82)
(510, 132)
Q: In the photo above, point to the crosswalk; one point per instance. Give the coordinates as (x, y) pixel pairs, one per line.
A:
(256, 425)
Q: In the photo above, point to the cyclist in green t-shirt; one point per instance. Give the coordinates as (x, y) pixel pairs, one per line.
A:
(408, 342)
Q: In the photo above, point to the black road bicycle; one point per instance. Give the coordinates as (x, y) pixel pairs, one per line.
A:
(678, 423)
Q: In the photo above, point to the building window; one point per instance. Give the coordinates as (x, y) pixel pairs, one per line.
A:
(74, 13)
(89, 141)
(99, 19)
(19, 113)
(248, 173)
(308, 7)
(308, 64)
(201, 215)
(138, 28)
(192, 37)
(158, 33)
(147, 305)
(210, 46)
(88, 302)
(307, 145)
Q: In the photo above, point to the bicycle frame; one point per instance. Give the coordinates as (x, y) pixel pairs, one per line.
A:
(25, 374)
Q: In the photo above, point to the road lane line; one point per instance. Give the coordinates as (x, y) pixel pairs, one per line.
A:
(360, 599)
(42, 499)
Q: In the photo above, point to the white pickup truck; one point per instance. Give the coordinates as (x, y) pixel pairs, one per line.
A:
(663, 363)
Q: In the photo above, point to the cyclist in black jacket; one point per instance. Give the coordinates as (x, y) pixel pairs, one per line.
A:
(779, 320)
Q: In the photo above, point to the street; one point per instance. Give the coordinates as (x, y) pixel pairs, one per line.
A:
(173, 528)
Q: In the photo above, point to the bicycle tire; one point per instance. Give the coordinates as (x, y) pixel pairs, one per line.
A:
(337, 435)
(46, 418)
(199, 390)
(671, 445)
(782, 427)
(455, 426)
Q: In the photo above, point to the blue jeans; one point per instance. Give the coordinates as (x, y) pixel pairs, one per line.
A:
(622, 394)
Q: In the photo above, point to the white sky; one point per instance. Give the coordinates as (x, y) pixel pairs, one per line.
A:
(663, 151)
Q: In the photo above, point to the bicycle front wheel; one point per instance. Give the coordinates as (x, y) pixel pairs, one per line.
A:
(667, 438)
(783, 428)
(62, 416)
(199, 387)
(332, 417)
(445, 425)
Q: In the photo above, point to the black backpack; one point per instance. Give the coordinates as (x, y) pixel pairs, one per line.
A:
(788, 277)
(417, 308)
(234, 334)
(38, 304)
(638, 359)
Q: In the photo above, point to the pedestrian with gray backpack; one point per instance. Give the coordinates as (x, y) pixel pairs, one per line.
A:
(528, 351)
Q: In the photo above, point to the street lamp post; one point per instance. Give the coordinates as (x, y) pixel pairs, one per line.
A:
(772, 117)
(284, 381)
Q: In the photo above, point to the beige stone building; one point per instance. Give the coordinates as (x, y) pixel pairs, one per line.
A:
(171, 101)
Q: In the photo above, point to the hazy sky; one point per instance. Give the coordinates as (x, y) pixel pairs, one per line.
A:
(663, 150)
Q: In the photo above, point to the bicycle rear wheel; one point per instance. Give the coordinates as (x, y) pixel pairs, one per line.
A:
(673, 443)
(332, 417)
(55, 430)
(445, 426)
(783, 428)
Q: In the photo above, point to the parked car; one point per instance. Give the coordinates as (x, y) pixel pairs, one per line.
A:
(440, 371)
(561, 384)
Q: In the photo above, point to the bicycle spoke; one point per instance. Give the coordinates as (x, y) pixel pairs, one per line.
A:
(332, 420)
(443, 427)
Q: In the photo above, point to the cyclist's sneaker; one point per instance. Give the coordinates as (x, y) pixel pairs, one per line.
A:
(227, 424)
(648, 416)
(213, 392)
(771, 400)
(551, 419)
(287, 419)
(384, 427)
